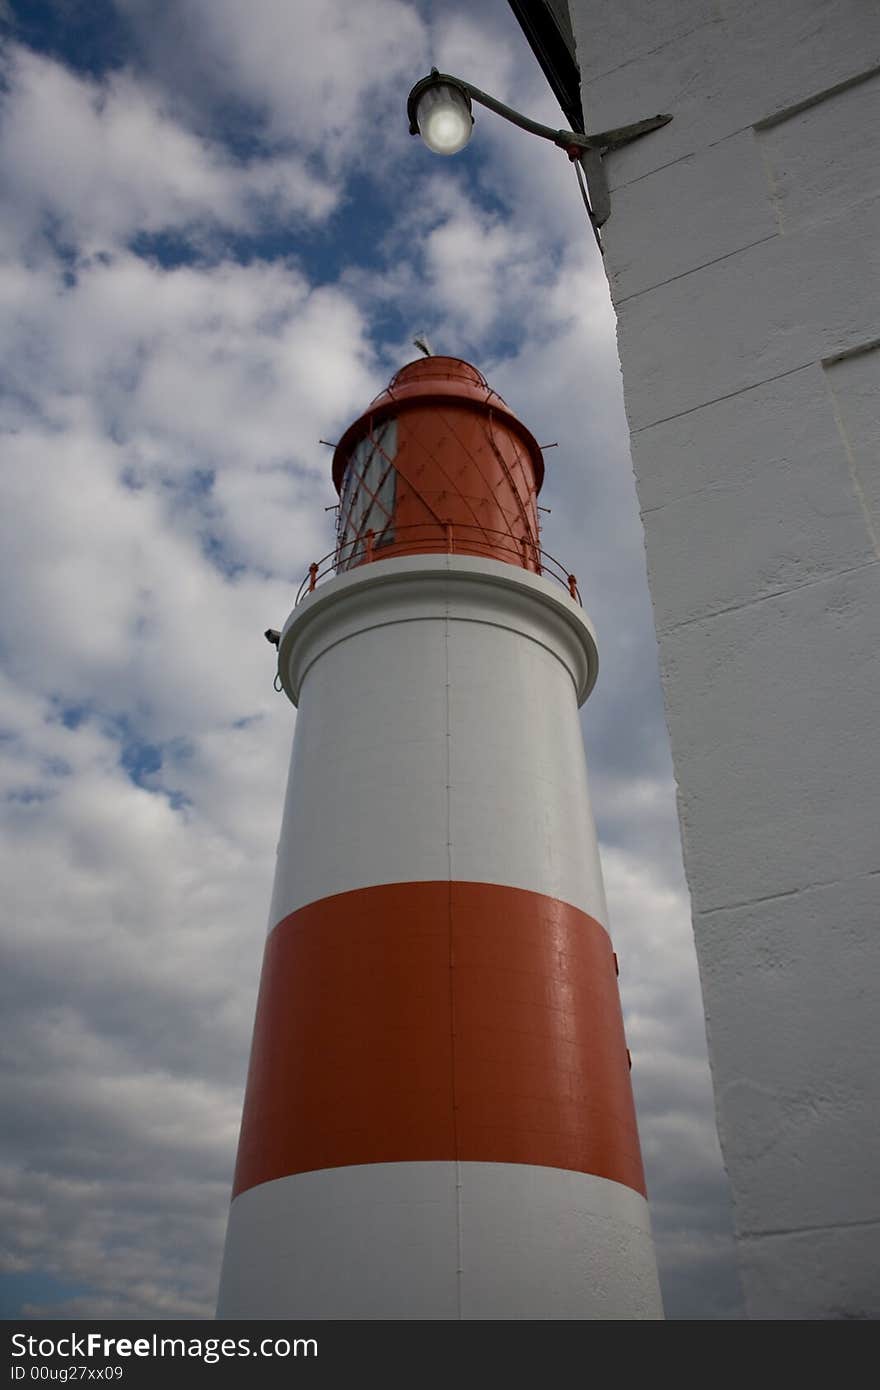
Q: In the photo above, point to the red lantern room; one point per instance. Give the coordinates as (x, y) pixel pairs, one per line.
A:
(438, 462)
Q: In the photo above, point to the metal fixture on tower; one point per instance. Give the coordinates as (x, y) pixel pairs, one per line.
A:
(439, 1119)
(439, 109)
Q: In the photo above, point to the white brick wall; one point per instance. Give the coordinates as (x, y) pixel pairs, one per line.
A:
(743, 252)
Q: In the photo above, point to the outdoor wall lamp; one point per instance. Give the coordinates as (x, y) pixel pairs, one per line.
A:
(439, 109)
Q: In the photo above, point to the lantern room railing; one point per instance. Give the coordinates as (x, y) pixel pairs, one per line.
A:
(363, 550)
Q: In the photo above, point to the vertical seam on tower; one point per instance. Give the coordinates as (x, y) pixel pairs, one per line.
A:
(852, 466)
(458, 1242)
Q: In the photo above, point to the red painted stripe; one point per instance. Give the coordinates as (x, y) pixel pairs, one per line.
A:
(438, 1021)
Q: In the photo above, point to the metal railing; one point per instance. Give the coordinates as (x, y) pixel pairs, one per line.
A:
(363, 550)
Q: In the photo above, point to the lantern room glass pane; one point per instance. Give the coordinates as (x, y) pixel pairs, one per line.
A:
(368, 492)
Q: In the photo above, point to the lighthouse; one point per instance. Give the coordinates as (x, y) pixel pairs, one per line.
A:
(438, 1121)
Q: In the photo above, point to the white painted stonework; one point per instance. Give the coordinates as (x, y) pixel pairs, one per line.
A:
(743, 252)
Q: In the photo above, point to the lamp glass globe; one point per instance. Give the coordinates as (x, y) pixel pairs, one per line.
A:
(444, 119)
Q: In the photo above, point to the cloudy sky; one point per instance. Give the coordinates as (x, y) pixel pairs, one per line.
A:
(217, 241)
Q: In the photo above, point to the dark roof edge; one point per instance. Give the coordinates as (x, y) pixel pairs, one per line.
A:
(555, 52)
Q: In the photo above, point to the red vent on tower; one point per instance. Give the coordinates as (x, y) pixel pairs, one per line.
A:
(438, 463)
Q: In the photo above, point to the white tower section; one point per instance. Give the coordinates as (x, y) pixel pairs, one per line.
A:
(743, 251)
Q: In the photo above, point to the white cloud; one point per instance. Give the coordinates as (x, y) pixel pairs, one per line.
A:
(98, 161)
(324, 75)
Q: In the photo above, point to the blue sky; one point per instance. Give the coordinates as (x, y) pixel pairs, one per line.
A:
(217, 243)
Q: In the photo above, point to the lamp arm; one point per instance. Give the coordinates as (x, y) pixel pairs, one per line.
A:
(573, 140)
(564, 138)
(587, 150)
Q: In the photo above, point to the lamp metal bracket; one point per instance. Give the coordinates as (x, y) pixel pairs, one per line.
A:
(589, 150)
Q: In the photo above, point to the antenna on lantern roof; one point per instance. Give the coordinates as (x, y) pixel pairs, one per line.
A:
(421, 342)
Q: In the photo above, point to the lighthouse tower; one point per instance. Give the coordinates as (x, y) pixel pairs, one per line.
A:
(438, 1120)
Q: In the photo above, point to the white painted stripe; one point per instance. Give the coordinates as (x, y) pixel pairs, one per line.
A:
(438, 734)
(401, 1240)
